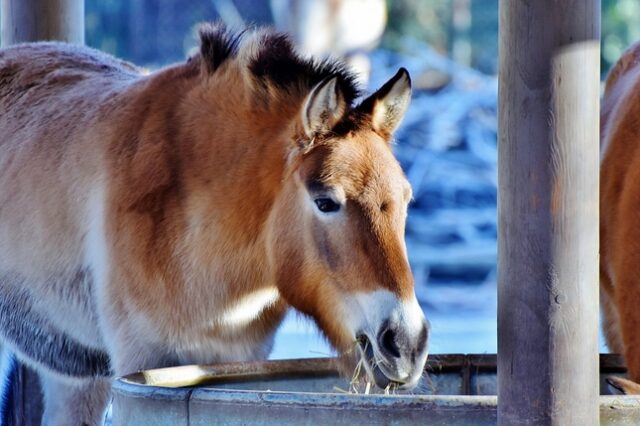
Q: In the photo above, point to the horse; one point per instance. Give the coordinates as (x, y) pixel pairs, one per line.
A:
(150, 220)
(619, 226)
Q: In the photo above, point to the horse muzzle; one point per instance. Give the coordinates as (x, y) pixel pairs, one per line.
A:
(394, 346)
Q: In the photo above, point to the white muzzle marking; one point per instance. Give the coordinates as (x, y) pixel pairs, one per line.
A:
(368, 313)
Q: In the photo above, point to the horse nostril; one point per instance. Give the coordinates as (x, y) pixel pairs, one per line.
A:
(421, 347)
(422, 338)
(387, 342)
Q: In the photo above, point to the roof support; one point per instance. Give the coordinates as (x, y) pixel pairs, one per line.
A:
(548, 212)
(35, 20)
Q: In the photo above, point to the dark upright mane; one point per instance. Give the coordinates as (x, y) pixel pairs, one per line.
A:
(276, 63)
(217, 44)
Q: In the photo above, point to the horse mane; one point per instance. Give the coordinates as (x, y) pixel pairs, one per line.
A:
(272, 61)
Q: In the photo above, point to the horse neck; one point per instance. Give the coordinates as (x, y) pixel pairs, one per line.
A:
(235, 160)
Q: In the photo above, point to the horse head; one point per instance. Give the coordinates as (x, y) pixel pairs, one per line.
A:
(339, 253)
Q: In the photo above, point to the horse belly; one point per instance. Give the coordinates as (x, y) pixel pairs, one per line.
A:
(46, 334)
(42, 232)
(44, 194)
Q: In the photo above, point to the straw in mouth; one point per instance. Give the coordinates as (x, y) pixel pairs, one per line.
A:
(371, 364)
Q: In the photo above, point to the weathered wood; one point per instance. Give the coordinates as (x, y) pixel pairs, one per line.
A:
(34, 20)
(548, 212)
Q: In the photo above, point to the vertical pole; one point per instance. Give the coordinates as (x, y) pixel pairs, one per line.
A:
(461, 50)
(35, 20)
(548, 212)
(24, 21)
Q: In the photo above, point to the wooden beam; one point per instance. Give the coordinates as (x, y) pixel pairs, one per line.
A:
(35, 20)
(548, 212)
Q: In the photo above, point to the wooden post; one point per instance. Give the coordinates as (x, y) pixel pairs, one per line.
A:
(34, 20)
(24, 21)
(548, 212)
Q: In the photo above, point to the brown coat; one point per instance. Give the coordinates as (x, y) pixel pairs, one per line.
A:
(172, 218)
(620, 211)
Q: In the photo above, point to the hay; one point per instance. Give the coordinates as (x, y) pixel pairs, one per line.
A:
(360, 384)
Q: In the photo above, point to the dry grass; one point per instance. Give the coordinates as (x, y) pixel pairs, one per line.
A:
(360, 382)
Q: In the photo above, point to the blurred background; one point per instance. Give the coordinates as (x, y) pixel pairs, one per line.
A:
(157, 32)
(446, 145)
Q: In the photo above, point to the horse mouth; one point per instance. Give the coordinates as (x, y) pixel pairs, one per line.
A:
(372, 364)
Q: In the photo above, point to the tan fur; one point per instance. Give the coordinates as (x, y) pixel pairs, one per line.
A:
(184, 193)
(620, 209)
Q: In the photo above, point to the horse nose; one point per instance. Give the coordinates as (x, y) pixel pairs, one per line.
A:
(421, 345)
(387, 341)
(393, 340)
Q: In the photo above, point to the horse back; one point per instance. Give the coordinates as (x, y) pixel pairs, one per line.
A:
(87, 173)
(50, 96)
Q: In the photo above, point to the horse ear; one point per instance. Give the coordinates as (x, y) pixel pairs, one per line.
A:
(324, 108)
(388, 105)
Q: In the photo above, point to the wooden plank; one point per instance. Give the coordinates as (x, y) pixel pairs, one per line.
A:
(548, 212)
(34, 20)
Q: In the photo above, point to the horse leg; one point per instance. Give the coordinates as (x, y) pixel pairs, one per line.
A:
(610, 317)
(38, 343)
(74, 402)
(627, 295)
(613, 336)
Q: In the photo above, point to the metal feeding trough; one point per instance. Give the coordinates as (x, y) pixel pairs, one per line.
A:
(458, 390)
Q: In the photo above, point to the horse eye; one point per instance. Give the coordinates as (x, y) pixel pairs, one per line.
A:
(327, 205)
